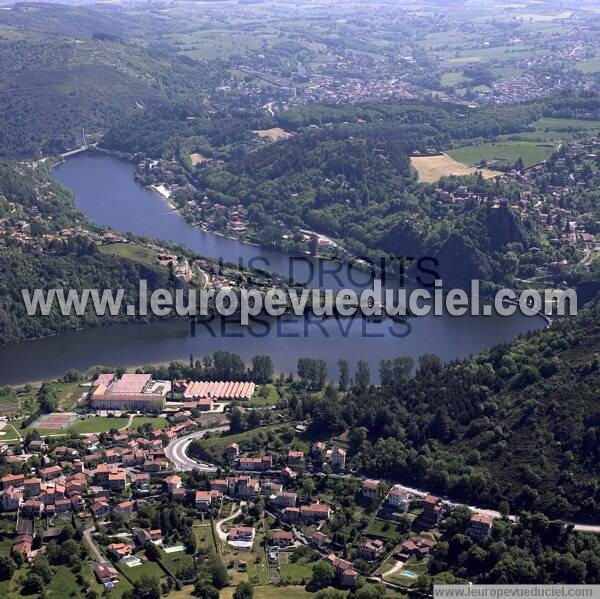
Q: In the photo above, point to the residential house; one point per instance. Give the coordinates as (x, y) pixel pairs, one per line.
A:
(32, 486)
(282, 538)
(285, 499)
(294, 457)
(338, 458)
(419, 547)
(481, 526)
(232, 452)
(318, 539)
(370, 550)
(100, 509)
(432, 511)
(256, 464)
(173, 482)
(343, 569)
(12, 480)
(398, 498)
(119, 550)
(11, 499)
(315, 511)
(125, 508)
(148, 536)
(241, 534)
(107, 575)
(370, 489)
(32, 508)
(23, 546)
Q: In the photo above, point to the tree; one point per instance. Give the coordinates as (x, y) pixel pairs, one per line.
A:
(204, 590)
(344, 375)
(308, 486)
(237, 421)
(219, 575)
(32, 584)
(262, 369)
(152, 551)
(7, 567)
(244, 590)
(147, 587)
(323, 575)
(363, 375)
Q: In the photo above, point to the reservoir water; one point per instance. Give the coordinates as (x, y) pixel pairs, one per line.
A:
(107, 193)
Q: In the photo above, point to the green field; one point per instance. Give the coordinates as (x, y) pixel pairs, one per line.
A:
(589, 66)
(177, 562)
(204, 537)
(384, 529)
(510, 151)
(98, 424)
(148, 568)
(134, 252)
(157, 423)
(227, 439)
(295, 573)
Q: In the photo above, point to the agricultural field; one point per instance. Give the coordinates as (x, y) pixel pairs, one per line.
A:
(274, 134)
(507, 152)
(197, 158)
(432, 168)
(589, 66)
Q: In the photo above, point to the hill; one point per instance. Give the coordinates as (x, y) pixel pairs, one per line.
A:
(53, 86)
(519, 423)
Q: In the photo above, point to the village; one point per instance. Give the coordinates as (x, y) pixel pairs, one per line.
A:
(146, 502)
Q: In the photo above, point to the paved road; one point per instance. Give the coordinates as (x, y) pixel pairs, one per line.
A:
(176, 451)
(87, 535)
(220, 532)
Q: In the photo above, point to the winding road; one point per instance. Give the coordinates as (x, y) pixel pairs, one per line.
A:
(176, 452)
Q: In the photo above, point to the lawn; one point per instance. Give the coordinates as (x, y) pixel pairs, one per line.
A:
(296, 573)
(62, 582)
(204, 536)
(148, 568)
(67, 395)
(265, 395)
(180, 563)
(412, 565)
(98, 424)
(530, 152)
(158, 423)
(589, 66)
(384, 529)
(236, 438)
(274, 134)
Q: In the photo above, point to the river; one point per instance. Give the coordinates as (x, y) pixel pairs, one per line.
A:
(106, 191)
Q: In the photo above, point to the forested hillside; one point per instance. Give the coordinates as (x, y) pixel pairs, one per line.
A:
(46, 243)
(52, 87)
(519, 423)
